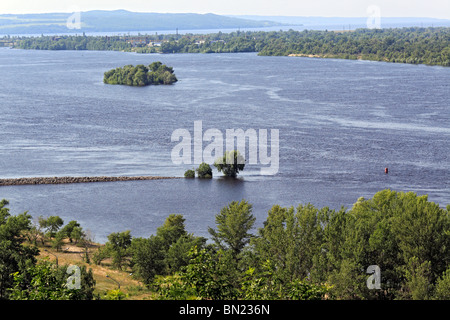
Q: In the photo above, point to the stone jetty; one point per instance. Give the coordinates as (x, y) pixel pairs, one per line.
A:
(62, 180)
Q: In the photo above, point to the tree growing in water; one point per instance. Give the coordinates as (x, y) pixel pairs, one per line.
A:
(230, 163)
(204, 171)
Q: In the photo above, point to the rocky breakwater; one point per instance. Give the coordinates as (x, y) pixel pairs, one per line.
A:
(62, 180)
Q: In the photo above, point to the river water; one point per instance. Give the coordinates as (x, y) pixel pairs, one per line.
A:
(340, 123)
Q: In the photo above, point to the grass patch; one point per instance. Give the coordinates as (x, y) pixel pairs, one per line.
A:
(71, 254)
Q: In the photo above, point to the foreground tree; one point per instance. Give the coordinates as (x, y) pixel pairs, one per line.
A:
(147, 256)
(404, 234)
(172, 229)
(164, 253)
(118, 244)
(233, 225)
(14, 256)
(290, 240)
(72, 230)
(51, 225)
(207, 274)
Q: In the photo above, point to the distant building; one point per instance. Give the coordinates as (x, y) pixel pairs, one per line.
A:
(6, 43)
(136, 41)
(154, 44)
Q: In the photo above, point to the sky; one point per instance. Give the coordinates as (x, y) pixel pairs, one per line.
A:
(323, 8)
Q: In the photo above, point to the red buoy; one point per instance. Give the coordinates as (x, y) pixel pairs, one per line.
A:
(386, 170)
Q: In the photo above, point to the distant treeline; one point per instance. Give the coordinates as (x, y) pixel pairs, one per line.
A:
(403, 45)
(408, 45)
(140, 75)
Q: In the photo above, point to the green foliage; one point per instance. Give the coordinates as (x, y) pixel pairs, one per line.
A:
(402, 233)
(140, 75)
(265, 285)
(51, 224)
(43, 285)
(45, 281)
(57, 241)
(305, 290)
(177, 255)
(166, 252)
(189, 174)
(147, 258)
(233, 225)
(20, 276)
(206, 274)
(442, 288)
(53, 230)
(172, 229)
(260, 286)
(401, 45)
(76, 234)
(204, 171)
(72, 230)
(118, 244)
(173, 287)
(291, 239)
(417, 282)
(230, 163)
(101, 254)
(115, 294)
(14, 256)
(299, 253)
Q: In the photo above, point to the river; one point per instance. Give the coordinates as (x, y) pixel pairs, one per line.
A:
(340, 124)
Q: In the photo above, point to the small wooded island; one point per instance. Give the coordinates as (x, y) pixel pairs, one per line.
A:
(140, 75)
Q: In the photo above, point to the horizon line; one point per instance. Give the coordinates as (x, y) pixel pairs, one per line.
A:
(233, 15)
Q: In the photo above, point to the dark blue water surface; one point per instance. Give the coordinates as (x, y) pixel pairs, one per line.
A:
(340, 123)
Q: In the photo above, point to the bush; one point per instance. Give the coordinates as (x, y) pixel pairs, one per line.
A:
(443, 286)
(189, 174)
(114, 295)
(267, 286)
(204, 171)
(174, 288)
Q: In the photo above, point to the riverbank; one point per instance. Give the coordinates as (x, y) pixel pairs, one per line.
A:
(63, 180)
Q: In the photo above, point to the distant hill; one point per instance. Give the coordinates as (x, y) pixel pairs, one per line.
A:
(121, 21)
(354, 22)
